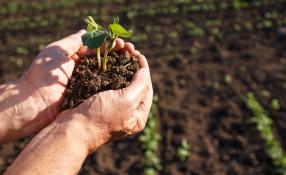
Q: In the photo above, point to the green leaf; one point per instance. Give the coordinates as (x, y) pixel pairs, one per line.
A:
(94, 39)
(89, 28)
(116, 20)
(120, 31)
(92, 25)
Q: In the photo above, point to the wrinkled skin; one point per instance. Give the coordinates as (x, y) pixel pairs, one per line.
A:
(120, 112)
(51, 70)
(117, 113)
(49, 74)
(41, 91)
(67, 137)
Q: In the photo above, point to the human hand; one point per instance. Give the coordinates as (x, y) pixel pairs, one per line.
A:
(113, 114)
(48, 76)
(62, 147)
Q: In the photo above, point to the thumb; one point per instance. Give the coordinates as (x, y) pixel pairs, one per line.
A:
(70, 44)
(138, 89)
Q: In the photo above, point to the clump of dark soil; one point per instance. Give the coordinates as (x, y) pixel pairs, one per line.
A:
(87, 80)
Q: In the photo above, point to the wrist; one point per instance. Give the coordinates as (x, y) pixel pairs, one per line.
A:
(57, 149)
(88, 134)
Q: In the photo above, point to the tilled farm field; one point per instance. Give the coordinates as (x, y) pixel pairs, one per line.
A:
(205, 57)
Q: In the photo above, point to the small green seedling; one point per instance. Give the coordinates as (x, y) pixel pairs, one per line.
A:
(228, 78)
(264, 124)
(184, 150)
(98, 36)
(275, 104)
(265, 93)
(216, 85)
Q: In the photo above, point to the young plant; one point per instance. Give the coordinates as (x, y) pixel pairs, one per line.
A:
(228, 78)
(98, 36)
(264, 125)
(275, 104)
(265, 93)
(89, 37)
(183, 151)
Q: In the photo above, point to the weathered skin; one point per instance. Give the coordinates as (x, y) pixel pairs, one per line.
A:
(33, 103)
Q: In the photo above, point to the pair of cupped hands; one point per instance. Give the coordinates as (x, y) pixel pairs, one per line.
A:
(108, 115)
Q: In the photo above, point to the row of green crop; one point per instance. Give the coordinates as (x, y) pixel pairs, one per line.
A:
(217, 27)
(150, 9)
(14, 8)
(43, 21)
(264, 125)
(16, 24)
(186, 7)
(150, 140)
(213, 27)
(210, 27)
(193, 29)
(30, 22)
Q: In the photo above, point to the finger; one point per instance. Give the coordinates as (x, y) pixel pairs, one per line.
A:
(129, 47)
(84, 50)
(144, 108)
(75, 56)
(137, 90)
(136, 52)
(142, 61)
(119, 44)
(142, 112)
(70, 44)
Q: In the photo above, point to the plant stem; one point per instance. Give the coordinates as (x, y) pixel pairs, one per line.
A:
(104, 61)
(98, 59)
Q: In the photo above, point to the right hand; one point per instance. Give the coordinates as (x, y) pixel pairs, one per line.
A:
(113, 114)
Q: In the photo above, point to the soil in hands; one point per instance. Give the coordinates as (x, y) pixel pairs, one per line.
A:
(87, 80)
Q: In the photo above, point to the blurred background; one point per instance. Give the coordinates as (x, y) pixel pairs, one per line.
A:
(205, 57)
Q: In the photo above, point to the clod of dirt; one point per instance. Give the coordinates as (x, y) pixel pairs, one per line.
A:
(87, 80)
